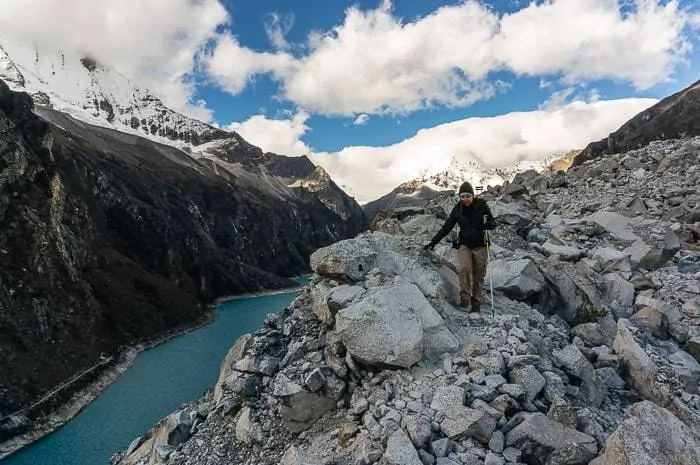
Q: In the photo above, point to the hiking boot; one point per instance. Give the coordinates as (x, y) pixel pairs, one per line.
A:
(464, 301)
(476, 306)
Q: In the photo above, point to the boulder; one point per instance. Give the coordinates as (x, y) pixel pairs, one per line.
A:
(539, 436)
(461, 421)
(619, 295)
(649, 257)
(382, 329)
(575, 364)
(605, 260)
(347, 260)
(393, 325)
(512, 214)
(295, 456)
(235, 353)
(651, 436)
(641, 371)
(517, 279)
(299, 407)
(614, 223)
(677, 328)
(400, 450)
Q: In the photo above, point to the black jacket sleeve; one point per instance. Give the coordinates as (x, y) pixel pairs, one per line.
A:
(447, 227)
(489, 220)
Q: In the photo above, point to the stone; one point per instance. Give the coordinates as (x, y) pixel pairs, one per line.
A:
(315, 380)
(517, 279)
(575, 364)
(497, 442)
(235, 353)
(379, 330)
(571, 454)
(441, 447)
(652, 320)
(641, 370)
(651, 436)
(400, 450)
(560, 411)
(348, 260)
(419, 430)
(491, 363)
(531, 380)
(295, 456)
(592, 334)
(538, 436)
(611, 378)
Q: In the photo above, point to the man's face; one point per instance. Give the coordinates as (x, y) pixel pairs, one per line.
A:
(466, 199)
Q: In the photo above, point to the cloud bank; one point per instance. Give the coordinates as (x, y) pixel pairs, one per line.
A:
(376, 63)
(370, 172)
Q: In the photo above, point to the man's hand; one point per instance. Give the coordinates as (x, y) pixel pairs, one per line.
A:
(429, 246)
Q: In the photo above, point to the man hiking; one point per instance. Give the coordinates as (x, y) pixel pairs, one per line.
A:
(473, 216)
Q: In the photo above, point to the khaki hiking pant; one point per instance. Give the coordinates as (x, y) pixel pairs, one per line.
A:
(472, 270)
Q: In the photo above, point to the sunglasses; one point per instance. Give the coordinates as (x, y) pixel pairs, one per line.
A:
(465, 196)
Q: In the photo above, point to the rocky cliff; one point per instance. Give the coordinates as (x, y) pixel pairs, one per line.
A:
(588, 355)
(674, 117)
(107, 238)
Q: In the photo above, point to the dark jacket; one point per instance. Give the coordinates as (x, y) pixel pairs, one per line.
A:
(471, 223)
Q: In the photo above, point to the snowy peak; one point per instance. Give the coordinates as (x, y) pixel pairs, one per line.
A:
(96, 94)
(459, 171)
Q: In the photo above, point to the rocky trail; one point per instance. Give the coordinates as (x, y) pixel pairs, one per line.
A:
(591, 355)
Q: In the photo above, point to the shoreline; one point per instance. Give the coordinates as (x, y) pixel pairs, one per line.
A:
(84, 397)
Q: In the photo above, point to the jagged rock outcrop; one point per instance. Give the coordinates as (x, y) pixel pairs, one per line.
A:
(107, 238)
(674, 117)
(583, 359)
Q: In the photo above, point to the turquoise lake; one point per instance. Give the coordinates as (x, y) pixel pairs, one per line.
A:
(159, 381)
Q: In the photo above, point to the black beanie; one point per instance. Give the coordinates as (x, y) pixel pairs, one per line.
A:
(466, 188)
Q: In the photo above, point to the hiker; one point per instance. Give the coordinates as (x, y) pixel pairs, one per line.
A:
(474, 217)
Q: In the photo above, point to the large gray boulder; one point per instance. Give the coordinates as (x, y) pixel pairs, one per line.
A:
(641, 371)
(459, 420)
(614, 223)
(299, 407)
(539, 436)
(575, 364)
(575, 291)
(400, 450)
(651, 436)
(295, 456)
(347, 260)
(511, 213)
(235, 353)
(651, 256)
(517, 279)
(386, 325)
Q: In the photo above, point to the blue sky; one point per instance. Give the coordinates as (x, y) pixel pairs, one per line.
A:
(380, 92)
(330, 133)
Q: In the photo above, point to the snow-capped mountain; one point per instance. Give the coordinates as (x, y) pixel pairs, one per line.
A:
(96, 94)
(68, 83)
(428, 185)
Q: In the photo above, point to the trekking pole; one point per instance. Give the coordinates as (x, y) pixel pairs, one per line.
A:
(488, 265)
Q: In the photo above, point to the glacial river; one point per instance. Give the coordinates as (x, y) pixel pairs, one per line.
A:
(159, 381)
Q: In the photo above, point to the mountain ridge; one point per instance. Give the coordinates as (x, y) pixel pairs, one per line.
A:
(675, 117)
(82, 87)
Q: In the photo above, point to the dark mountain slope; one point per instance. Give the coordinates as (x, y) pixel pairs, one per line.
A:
(675, 117)
(106, 238)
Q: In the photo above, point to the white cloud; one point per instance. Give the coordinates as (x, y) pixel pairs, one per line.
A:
(234, 66)
(281, 136)
(361, 119)
(695, 20)
(277, 26)
(376, 63)
(370, 172)
(154, 42)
